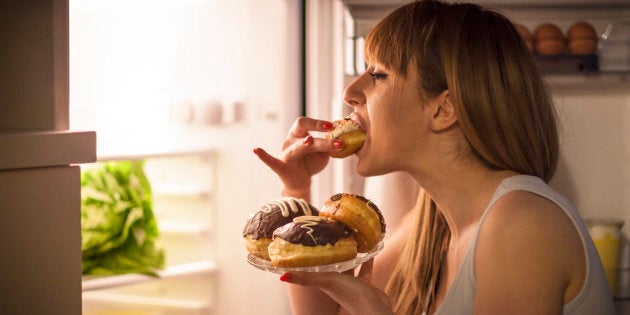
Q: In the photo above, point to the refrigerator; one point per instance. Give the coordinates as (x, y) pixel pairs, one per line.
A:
(593, 104)
(191, 87)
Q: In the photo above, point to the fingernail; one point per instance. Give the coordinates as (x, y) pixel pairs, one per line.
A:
(256, 150)
(327, 125)
(307, 140)
(338, 144)
(287, 277)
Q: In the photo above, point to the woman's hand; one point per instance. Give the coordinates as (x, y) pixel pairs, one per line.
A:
(355, 295)
(302, 155)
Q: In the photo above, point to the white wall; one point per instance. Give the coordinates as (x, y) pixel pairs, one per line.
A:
(594, 171)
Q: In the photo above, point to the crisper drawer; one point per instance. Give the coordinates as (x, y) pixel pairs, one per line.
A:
(185, 295)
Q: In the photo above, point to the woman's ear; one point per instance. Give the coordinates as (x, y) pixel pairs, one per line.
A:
(444, 115)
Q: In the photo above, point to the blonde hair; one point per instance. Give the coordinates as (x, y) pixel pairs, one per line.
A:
(504, 110)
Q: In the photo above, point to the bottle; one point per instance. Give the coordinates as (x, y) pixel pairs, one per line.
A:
(606, 234)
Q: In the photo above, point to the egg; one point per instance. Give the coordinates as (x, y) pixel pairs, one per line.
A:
(551, 46)
(582, 46)
(548, 31)
(582, 38)
(549, 40)
(582, 30)
(526, 35)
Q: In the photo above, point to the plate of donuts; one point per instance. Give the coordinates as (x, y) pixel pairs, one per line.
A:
(289, 234)
(266, 265)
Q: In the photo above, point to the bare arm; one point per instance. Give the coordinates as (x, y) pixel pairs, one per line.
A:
(302, 157)
(307, 301)
(529, 258)
(356, 294)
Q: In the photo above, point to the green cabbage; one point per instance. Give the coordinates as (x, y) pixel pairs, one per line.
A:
(118, 228)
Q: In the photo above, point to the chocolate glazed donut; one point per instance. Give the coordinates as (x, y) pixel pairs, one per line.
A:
(258, 230)
(311, 241)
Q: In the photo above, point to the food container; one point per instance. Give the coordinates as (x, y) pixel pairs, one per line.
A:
(606, 234)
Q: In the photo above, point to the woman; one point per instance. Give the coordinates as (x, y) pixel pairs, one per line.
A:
(453, 97)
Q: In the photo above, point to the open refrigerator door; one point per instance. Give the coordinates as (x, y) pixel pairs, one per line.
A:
(186, 88)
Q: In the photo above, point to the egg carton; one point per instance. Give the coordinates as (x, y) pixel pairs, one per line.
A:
(568, 63)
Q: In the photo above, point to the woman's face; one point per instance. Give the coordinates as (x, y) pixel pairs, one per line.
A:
(390, 109)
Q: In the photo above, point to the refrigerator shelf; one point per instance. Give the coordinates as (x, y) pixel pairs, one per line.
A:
(184, 228)
(154, 152)
(94, 283)
(609, 81)
(179, 190)
(124, 301)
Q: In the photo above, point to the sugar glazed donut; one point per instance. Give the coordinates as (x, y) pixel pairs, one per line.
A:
(311, 241)
(360, 215)
(350, 133)
(258, 231)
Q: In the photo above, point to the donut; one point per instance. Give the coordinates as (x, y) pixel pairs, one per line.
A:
(311, 241)
(360, 215)
(352, 135)
(258, 231)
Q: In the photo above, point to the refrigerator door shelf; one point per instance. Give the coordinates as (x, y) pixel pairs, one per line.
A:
(189, 294)
(201, 267)
(25, 149)
(99, 303)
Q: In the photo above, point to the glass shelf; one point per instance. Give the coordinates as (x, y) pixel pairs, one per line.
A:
(96, 282)
(159, 305)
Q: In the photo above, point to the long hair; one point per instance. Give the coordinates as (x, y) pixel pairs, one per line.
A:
(503, 106)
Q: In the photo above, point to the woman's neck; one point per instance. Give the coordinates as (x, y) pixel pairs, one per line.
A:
(462, 192)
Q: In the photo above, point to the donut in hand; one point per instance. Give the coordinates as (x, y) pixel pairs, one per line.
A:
(311, 241)
(258, 231)
(360, 215)
(352, 135)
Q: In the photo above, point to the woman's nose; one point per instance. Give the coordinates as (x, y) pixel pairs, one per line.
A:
(353, 96)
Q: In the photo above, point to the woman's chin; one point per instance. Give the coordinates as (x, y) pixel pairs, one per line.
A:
(364, 168)
(367, 165)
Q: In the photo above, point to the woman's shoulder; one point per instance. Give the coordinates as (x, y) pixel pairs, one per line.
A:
(529, 242)
(528, 219)
(528, 248)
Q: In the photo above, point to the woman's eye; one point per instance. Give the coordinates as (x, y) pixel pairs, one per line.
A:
(378, 76)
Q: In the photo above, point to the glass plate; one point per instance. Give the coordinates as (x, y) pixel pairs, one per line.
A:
(266, 265)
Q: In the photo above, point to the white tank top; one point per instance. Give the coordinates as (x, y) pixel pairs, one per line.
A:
(594, 297)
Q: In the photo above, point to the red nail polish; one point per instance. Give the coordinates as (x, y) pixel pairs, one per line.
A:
(327, 125)
(307, 140)
(287, 277)
(338, 144)
(256, 150)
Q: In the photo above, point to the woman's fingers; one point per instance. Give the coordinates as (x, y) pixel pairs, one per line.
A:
(307, 145)
(273, 163)
(323, 280)
(302, 154)
(346, 290)
(302, 126)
